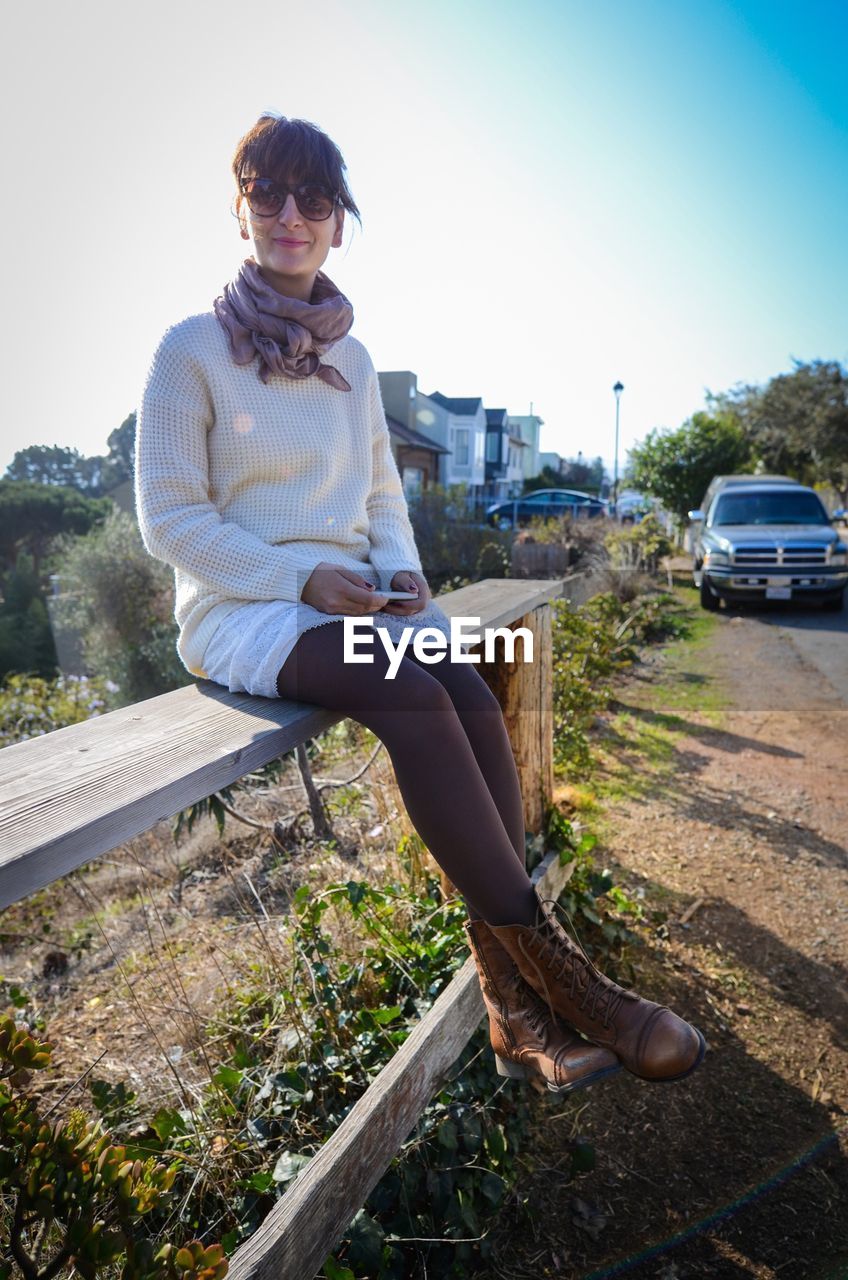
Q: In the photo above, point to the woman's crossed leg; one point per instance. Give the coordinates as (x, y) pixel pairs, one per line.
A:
(451, 754)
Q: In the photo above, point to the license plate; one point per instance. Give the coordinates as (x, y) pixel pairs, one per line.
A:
(778, 593)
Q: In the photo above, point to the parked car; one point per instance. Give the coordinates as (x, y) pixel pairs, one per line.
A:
(768, 540)
(632, 507)
(545, 503)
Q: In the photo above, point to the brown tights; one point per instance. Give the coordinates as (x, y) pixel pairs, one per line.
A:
(445, 734)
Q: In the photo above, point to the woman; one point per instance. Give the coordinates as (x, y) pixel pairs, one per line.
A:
(264, 475)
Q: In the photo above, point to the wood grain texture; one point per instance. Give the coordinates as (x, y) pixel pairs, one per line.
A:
(68, 796)
(524, 691)
(307, 1222)
(545, 619)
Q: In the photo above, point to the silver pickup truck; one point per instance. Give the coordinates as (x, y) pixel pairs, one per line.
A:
(769, 540)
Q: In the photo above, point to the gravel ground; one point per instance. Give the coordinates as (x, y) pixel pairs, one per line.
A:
(729, 818)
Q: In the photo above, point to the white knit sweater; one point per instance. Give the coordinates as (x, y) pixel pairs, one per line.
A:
(244, 486)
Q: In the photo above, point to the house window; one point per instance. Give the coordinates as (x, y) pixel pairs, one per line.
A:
(479, 449)
(413, 480)
(461, 455)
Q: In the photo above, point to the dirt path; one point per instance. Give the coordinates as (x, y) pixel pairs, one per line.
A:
(741, 820)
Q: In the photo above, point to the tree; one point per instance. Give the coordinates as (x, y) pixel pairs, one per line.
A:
(119, 464)
(26, 636)
(578, 473)
(50, 464)
(676, 466)
(547, 478)
(32, 514)
(797, 424)
(93, 476)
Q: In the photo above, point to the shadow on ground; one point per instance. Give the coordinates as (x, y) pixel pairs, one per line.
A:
(735, 1172)
(697, 798)
(721, 739)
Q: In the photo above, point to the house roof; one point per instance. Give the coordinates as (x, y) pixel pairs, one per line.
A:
(464, 406)
(412, 437)
(496, 417)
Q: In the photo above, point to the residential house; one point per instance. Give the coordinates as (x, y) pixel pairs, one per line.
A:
(418, 432)
(467, 442)
(454, 440)
(504, 461)
(529, 426)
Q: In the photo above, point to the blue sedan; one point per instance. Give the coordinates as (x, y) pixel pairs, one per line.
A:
(544, 503)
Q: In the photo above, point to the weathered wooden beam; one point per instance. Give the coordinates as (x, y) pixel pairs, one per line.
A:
(525, 693)
(306, 1223)
(69, 796)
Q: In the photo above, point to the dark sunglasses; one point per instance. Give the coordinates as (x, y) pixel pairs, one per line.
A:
(266, 198)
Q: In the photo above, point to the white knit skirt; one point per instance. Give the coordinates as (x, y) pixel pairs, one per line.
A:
(250, 646)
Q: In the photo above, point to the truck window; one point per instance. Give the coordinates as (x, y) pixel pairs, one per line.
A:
(768, 508)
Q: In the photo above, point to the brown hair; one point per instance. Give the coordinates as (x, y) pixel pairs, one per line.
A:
(292, 150)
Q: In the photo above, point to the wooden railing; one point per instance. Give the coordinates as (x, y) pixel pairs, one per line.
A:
(69, 796)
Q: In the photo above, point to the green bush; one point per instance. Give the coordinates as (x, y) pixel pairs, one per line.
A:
(591, 644)
(119, 601)
(71, 1198)
(639, 546)
(30, 706)
(26, 636)
(275, 1097)
(456, 549)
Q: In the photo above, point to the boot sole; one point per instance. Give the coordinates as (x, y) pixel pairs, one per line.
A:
(515, 1071)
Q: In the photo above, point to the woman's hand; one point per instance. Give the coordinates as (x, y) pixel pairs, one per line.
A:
(408, 580)
(331, 588)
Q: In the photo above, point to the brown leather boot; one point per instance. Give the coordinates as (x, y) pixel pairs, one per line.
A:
(651, 1041)
(524, 1035)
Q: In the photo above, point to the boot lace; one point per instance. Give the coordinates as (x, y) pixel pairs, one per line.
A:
(598, 995)
(538, 1015)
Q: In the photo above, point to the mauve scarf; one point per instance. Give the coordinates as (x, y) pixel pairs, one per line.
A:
(289, 335)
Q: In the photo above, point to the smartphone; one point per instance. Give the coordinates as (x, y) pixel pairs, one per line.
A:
(396, 595)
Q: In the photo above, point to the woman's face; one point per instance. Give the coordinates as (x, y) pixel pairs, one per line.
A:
(291, 248)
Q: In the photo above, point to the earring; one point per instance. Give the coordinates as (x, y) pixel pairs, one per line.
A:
(245, 234)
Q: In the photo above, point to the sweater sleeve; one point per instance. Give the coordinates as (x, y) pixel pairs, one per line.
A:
(179, 524)
(390, 530)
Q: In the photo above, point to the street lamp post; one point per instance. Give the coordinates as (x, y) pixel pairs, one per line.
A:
(618, 388)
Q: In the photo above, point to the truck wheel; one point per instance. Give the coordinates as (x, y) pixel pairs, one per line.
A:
(708, 600)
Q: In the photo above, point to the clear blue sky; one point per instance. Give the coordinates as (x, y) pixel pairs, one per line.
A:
(554, 195)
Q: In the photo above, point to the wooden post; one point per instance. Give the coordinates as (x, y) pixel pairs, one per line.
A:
(525, 692)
